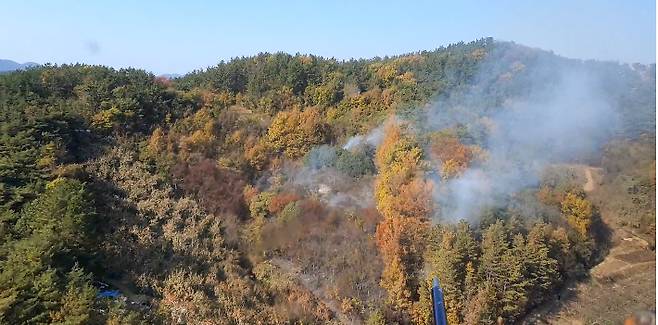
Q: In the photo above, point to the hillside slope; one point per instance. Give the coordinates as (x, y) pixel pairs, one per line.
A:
(623, 283)
(284, 189)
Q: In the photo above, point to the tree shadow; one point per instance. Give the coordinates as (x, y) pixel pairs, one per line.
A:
(602, 235)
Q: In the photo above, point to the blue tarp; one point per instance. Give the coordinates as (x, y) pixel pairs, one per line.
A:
(109, 294)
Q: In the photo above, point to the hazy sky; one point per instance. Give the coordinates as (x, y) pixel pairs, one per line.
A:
(168, 37)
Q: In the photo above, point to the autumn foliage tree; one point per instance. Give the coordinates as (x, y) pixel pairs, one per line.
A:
(578, 213)
(403, 198)
(294, 133)
(453, 155)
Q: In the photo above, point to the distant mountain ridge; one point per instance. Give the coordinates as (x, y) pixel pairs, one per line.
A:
(9, 65)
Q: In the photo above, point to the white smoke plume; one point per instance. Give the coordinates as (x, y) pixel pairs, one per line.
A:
(562, 113)
(325, 184)
(373, 138)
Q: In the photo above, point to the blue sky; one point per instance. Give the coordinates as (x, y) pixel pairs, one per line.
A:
(179, 36)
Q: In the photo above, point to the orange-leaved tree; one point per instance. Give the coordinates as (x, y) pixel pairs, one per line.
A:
(455, 157)
(404, 199)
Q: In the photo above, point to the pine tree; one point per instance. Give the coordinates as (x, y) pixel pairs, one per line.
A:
(542, 268)
(450, 258)
(480, 309)
(515, 290)
(444, 264)
(79, 296)
(467, 249)
(495, 245)
(55, 228)
(494, 269)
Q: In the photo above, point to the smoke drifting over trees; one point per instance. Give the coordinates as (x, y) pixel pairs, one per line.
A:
(285, 189)
(562, 113)
(527, 109)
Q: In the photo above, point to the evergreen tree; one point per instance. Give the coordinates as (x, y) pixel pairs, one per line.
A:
(54, 230)
(444, 263)
(542, 268)
(495, 245)
(77, 301)
(514, 295)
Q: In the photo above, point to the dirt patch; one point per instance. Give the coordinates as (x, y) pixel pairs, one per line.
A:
(637, 257)
(590, 185)
(606, 300)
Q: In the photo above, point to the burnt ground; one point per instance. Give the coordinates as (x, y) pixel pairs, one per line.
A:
(309, 282)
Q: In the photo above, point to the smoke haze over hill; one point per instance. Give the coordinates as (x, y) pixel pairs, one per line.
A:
(552, 122)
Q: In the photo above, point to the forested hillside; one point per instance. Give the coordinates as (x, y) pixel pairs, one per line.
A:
(296, 189)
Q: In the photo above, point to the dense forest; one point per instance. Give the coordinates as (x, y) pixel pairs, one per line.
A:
(296, 189)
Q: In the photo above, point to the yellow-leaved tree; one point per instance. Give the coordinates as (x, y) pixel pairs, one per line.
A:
(578, 211)
(295, 132)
